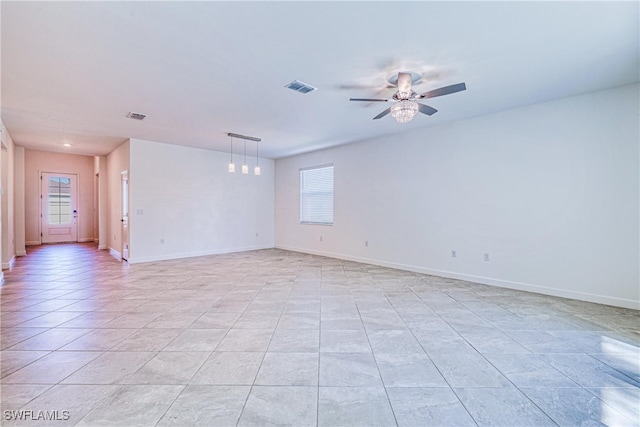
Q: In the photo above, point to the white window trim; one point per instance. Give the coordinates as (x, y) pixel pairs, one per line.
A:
(323, 223)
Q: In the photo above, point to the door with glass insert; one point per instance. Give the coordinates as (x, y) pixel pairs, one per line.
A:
(59, 212)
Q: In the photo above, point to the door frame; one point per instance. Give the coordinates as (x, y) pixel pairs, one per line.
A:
(41, 210)
(124, 216)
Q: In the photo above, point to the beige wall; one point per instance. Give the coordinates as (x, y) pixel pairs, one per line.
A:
(8, 248)
(117, 161)
(18, 207)
(7, 236)
(103, 202)
(37, 162)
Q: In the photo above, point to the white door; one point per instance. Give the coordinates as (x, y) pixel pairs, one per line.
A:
(125, 215)
(59, 207)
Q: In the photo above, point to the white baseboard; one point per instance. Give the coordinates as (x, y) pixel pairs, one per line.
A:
(1, 278)
(115, 254)
(9, 265)
(21, 252)
(563, 293)
(81, 240)
(166, 257)
(103, 247)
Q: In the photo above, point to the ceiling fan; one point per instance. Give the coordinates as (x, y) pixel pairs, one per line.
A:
(405, 99)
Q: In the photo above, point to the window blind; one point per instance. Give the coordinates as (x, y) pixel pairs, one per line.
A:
(316, 195)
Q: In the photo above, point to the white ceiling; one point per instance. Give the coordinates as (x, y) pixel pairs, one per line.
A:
(71, 71)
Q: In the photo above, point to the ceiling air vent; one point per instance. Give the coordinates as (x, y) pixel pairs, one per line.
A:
(136, 116)
(298, 86)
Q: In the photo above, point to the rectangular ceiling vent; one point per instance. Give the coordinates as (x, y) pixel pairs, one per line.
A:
(298, 86)
(136, 116)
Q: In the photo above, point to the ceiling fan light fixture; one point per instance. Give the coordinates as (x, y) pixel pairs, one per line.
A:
(403, 111)
(405, 106)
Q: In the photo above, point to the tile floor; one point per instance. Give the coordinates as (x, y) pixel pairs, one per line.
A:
(280, 338)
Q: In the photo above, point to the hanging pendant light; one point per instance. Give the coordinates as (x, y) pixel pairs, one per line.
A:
(256, 170)
(245, 168)
(232, 167)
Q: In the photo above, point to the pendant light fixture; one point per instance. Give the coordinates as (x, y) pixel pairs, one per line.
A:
(245, 167)
(232, 167)
(256, 170)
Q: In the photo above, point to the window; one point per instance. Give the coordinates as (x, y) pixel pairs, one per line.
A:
(59, 200)
(316, 195)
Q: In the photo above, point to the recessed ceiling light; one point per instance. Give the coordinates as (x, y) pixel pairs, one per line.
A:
(66, 144)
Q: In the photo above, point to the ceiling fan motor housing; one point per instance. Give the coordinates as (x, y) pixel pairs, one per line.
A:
(403, 96)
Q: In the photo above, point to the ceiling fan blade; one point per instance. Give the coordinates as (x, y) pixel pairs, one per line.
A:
(443, 91)
(384, 113)
(404, 82)
(368, 99)
(425, 109)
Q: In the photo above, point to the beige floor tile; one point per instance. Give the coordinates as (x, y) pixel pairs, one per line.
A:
(277, 337)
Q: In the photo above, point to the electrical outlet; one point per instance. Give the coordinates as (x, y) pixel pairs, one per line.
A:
(366, 243)
(454, 253)
(321, 238)
(257, 234)
(162, 241)
(486, 256)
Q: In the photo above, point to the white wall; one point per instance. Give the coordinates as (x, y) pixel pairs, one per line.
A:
(550, 191)
(185, 197)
